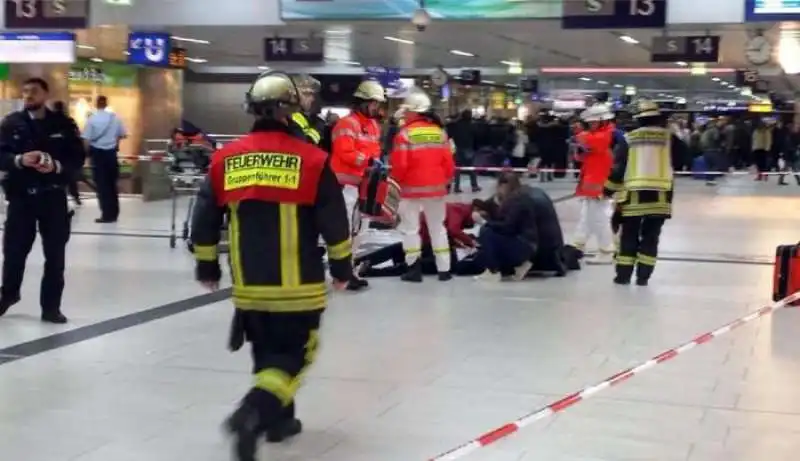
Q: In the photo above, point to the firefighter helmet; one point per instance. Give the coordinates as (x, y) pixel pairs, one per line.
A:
(370, 90)
(646, 108)
(271, 90)
(599, 112)
(417, 101)
(306, 83)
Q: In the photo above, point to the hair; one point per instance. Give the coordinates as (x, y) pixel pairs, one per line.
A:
(39, 82)
(59, 107)
(511, 180)
(102, 102)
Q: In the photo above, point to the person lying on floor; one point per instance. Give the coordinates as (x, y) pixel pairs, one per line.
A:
(458, 218)
(508, 243)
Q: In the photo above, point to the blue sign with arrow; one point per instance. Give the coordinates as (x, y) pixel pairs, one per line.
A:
(388, 77)
(149, 49)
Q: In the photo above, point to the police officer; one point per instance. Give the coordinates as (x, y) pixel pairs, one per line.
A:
(40, 152)
(643, 175)
(307, 119)
(280, 195)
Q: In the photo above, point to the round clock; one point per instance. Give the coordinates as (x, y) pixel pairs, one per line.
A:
(758, 51)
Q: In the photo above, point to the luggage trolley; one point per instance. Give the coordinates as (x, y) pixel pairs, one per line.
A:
(187, 170)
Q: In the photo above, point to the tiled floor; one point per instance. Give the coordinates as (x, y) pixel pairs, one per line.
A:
(406, 373)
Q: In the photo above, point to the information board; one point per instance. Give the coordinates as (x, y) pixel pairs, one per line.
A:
(772, 10)
(281, 49)
(614, 14)
(44, 47)
(693, 48)
(47, 14)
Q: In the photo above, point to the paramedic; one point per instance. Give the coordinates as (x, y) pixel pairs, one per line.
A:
(356, 142)
(280, 195)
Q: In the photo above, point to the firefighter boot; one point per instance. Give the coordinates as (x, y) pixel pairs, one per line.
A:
(287, 427)
(414, 273)
(243, 426)
(643, 273)
(624, 274)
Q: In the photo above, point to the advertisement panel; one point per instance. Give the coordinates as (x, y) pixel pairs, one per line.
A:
(772, 10)
(294, 10)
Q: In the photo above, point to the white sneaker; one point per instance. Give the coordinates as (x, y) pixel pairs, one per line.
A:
(601, 258)
(489, 276)
(521, 271)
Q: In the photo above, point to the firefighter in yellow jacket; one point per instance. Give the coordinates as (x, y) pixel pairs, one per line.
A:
(306, 119)
(279, 194)
(643, 173)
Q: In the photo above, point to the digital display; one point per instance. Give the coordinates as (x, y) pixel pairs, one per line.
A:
(772, 10)
(45, 48)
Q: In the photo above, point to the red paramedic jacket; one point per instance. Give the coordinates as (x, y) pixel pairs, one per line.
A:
(597, 161)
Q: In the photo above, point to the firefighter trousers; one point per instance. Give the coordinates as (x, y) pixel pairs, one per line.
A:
(638, 246)
(434, 209)
(283, 346)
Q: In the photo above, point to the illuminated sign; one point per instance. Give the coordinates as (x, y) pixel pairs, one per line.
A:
(46, 47)
(614, 14)
(772, 10)
(177, 58)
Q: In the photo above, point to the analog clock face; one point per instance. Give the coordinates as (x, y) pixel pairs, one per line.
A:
(758, 51)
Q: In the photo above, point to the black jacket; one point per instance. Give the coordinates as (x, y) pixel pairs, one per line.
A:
(54, 134)
(280, 196)
(461, 132)
(547, 222)
(517, 218)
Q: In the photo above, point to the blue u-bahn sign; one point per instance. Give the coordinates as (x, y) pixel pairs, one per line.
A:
(614, 14)
(149, 48)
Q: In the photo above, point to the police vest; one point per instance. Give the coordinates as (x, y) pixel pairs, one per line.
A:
(308, 130)
(649, 159)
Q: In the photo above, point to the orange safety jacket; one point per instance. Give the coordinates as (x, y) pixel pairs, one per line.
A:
(356, 139)
(421, 159)
(597, 161)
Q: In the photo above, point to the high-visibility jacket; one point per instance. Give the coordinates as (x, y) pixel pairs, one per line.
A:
(308, 130)
(280, 196)
(597, 161)
(421, 159)
(356, 140)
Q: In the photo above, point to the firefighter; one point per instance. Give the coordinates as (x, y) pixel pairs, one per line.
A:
(596, 162)
(423, 166)
(357, 143)
(307, 119)
(279, 195)
(643, 174)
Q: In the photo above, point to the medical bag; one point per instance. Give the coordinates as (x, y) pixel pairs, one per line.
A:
(378, 194)
(786, 276)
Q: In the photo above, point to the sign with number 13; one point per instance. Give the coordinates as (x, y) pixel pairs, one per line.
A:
(614, 14)
(47, 14)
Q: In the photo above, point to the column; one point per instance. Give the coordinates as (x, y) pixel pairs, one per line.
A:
(56, 76)
(161, 99)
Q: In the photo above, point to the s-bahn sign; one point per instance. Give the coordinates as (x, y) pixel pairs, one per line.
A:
(614, 14)
(47, 14)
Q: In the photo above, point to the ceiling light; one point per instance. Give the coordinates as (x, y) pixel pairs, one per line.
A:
(715, 79)
(85, 47)
(197, 60)
(263, 68)
(511, 63)
(462, 53)
(619, 86)
(682, 63)
(398, 40)
(628, 39)
(95, 59)
(190, 40)
(488, 82)
(602, 82)
(586, 79)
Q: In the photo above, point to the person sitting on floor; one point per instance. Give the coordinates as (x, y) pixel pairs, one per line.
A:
(508, 244)
(549, 256)
(458, 217)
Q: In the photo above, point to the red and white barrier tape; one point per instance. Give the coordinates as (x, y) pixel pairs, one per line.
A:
(572, 399)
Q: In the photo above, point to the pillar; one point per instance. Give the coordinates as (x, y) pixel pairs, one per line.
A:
(56, 76)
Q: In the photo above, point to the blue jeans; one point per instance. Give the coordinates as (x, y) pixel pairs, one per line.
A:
(502, 253)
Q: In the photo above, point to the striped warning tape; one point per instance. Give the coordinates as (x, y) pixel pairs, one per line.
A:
(572, 399)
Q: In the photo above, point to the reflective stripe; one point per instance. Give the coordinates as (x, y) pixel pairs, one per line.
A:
(207, 253)
(625, 260)
(435, 145)
(424, 189)
(349, 179)
(278, 383)
(645, 260)
(343, 132)
(342, 250)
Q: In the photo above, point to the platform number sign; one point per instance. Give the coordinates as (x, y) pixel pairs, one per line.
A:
(614, 14)
(694, 48)
(47, 14)
(278, 49)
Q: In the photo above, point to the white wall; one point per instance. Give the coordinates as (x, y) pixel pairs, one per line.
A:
(216, 107)
(705, 11)
(188, 13)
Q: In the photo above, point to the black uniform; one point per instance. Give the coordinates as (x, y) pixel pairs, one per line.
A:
(645, 208)
(280, 195)
(37, 200)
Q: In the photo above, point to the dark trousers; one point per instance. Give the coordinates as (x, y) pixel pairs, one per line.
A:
(48, 210)
(715, 161)
(502, 253)
(763, 161)
(395, 253)
(465, 158)
(283, 345)
(105, 172)
(638, 246)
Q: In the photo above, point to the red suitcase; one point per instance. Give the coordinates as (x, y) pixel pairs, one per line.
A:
(786, 277)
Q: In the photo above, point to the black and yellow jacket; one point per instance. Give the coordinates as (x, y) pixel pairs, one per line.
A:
(642, 178)
(307, 128)
(280, 195)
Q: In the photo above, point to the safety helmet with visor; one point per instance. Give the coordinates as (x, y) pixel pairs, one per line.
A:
(273, 95)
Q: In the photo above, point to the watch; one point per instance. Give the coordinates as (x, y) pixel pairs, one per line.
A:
(758, 51)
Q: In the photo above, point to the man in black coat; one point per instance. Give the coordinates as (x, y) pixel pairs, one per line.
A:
(549, 253)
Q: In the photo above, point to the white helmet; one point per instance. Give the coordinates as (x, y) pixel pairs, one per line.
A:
(417, 101)
(370, 90)
(597, 113)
